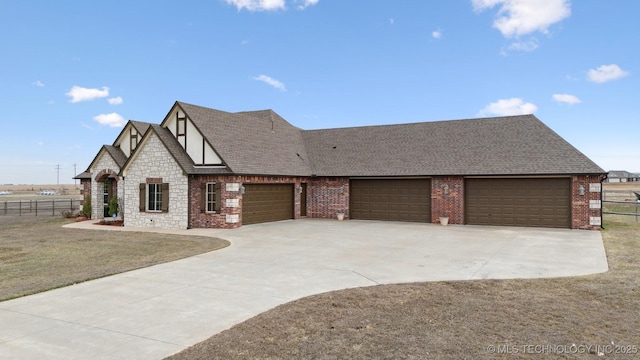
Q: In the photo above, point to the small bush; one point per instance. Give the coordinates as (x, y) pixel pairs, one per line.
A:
(67, 214)
(113, 205)
(86, 207)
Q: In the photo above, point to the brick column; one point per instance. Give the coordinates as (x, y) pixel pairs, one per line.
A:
(581, 208)
(447, 198)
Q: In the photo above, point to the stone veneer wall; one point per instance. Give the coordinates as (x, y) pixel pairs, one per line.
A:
(104, 165)
(152, 160)
(230, 215)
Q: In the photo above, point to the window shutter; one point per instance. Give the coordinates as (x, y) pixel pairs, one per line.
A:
(203, 197)
(143, 193)
(165, 197)
(218, 197)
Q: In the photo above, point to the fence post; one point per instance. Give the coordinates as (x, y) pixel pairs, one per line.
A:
(36, 207)
(20, 207)
(5, 207)
(53, 206)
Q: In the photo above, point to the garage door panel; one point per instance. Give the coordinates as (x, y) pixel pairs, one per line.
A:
(267, 202)
(391, 199)
(519, 202)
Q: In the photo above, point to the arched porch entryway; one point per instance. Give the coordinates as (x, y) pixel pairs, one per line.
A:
(107, 181)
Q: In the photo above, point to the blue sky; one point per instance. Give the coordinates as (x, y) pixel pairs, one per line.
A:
(73, 72)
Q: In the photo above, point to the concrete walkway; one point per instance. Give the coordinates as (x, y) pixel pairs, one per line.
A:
(157, 311)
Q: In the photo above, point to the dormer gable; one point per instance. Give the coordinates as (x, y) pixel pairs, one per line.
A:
(195, 144)
(131, 136)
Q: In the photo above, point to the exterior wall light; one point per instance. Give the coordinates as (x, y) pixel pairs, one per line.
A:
(241, 190)
(445, 189)
(581, 190)
(342, 189)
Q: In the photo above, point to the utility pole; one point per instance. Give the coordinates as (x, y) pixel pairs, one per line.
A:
(58, 178)
(75, 181)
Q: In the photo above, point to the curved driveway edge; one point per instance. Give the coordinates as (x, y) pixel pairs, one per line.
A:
(157, 311)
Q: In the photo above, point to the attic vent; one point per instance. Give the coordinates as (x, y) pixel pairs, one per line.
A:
(334, 147)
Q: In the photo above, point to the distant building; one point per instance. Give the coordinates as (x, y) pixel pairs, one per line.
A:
(621, 176)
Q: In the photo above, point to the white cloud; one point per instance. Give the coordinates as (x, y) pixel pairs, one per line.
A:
(303, 4)
(258, 5)
(506, 107)
(606, 73)
(273, 82)
(436, 34)
(79, 94)
(115, 101)
(566, 99)
(112, 120)
(38, 83)
(526, 46)
(521, 17)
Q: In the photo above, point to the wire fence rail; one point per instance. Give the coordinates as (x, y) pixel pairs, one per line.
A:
(48, 207)
(619, 195)
(622, 208)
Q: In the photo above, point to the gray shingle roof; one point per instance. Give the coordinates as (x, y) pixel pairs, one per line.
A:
(263, 143)
(511, 145)
(141, 126)
(621, 174)
(116, 153)
(255, 142)
(179, 155)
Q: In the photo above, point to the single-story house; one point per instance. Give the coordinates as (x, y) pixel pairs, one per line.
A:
(206, 168)
(618, 176)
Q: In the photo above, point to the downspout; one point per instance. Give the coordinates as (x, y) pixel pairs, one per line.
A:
(602, 179)
(189, 189)
(124, 196)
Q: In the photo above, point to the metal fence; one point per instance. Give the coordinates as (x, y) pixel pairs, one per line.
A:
(622, 208)
(619, 195)
(47, 207)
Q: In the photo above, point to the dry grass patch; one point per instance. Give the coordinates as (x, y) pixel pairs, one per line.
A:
(573, 318)
(38, 254)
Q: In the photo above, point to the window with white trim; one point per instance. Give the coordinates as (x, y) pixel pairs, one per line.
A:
(154, 192)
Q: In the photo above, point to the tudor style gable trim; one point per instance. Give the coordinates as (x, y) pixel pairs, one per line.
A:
(191, 138)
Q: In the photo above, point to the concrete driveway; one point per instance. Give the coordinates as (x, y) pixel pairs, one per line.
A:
(157, 311)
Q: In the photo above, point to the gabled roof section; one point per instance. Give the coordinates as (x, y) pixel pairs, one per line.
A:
(177, 153)
(253, 142)
(140, 126)
(511, 145)
(116, 154)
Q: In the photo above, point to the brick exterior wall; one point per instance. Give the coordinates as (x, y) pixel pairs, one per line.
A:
(229, 193)
(581, 205)
(327, 196)
(153, 160)
(86, 188)
(447, 199)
